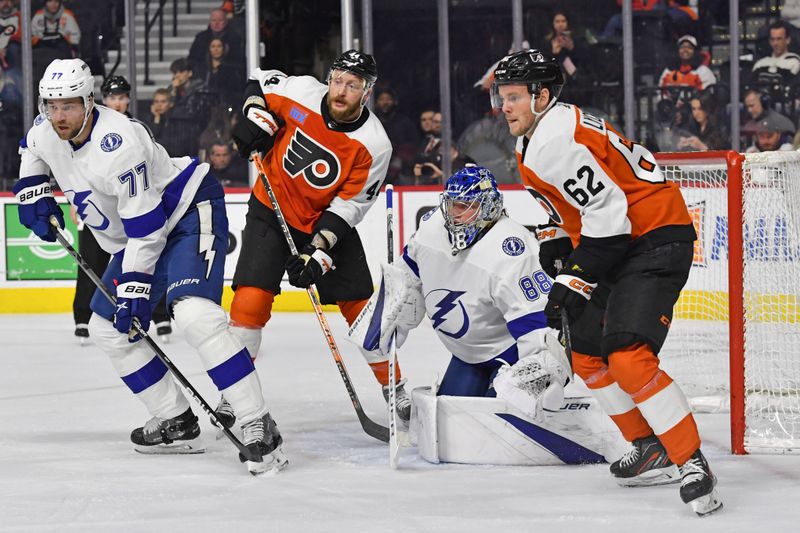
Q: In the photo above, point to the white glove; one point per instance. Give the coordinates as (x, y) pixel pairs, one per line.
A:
(533, 384)
(263, 118)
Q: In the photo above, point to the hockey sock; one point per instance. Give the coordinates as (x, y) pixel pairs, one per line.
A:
(250, 312)
(615, 402)
(659, 399)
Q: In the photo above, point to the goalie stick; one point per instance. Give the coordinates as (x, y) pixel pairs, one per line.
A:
(394, 446)
(244, 453)
(372, 428)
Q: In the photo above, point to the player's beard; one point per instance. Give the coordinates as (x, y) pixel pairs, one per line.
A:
(68, 134)
(349, 114)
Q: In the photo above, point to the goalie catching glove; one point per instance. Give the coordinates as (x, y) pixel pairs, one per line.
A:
(397, 306)
(535, 384)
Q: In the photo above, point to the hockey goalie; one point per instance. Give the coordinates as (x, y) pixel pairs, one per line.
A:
(475, 273)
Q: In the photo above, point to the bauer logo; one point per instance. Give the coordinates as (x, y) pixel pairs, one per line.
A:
(111, 142)
(513, 246)
(185, 281)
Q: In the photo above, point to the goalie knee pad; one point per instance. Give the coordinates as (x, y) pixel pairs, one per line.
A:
(140, 369)
(225, 357)
(251, 307)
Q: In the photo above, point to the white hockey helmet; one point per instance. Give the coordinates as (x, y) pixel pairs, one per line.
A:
(67, 78)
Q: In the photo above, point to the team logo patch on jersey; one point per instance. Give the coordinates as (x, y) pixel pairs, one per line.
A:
(320, 167)
(111, 142)
(39, 119)
(299, 116)
(513, 246)
(450, 312)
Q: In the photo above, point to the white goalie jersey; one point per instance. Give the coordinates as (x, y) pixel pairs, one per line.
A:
(488, 300)
(123, 184)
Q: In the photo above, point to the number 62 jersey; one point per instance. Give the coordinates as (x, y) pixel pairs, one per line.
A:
(601, 188)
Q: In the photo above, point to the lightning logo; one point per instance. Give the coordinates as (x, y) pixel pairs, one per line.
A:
(87, 210)
(206, 244)
(446, 304)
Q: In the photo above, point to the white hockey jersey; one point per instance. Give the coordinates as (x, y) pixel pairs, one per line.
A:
(488, 300)
(124, 185)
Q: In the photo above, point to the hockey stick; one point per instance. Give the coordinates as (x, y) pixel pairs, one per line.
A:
(394, 446)
(372, 428)
(243, 450)
(565, 324)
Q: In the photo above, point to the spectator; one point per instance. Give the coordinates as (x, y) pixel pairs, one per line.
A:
(225, 80)
(780, 69)
(431, 130)
(756, 103)
(170, 133)
(687, 69)
(55, 26)
(681, 18)
(219, 128)
(217, 27)
(775, 133)
(230, 171)
(191, 106)
(10, 36)
(426, 121)
(159, 108)
(429, 171)
(706, 132)
(570, 49)
(401, 131)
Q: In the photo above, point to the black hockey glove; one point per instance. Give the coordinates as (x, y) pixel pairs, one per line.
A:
(554, 244)
(308, 267)
(571, 291)
(259, 125)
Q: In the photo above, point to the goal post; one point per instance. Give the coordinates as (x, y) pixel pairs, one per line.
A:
(735, 340)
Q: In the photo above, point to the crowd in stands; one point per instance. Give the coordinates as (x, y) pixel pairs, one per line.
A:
(682, 96)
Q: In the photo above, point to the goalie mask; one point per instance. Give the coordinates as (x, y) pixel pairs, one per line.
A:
(531, 68)
(470, 204)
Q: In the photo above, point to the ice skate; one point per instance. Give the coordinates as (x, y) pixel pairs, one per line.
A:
(225, 414)
(164, 330)
(403, 403)
(82, 333)
(263, 440)
(646, 464)
(177, 435)
(697, 485)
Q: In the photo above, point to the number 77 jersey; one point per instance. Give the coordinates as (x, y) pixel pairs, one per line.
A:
(594, 182)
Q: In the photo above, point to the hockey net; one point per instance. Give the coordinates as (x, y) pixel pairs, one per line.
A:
(735, 339)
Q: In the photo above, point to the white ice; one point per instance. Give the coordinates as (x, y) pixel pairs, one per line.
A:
(66, 463)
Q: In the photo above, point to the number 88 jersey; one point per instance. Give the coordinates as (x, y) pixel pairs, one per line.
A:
(594, 182)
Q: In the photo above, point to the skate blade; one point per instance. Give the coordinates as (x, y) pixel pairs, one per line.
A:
(705, 505)
(272, 464)
(652, 478)
(176, 448)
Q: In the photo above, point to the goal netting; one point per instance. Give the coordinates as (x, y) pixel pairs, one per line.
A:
(735, 339)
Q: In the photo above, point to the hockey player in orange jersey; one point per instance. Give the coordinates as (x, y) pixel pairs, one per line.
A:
(624, 239)
(327, 159)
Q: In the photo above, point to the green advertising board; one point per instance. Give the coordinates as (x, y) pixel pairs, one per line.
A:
(30, 258)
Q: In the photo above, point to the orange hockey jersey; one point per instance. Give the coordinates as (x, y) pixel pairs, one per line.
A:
(596, 184)
(317, 164)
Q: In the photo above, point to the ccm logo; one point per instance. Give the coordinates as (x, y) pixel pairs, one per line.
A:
(136, 289)
(33, 193)
(545, 234)
(579, 286)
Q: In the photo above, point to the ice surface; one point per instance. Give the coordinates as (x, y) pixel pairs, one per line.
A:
(66, 463)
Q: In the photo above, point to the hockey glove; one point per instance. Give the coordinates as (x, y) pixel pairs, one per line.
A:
(571, 291)
(554, 244)
(257, 132)
(36, 205)
(133, 303)
(307, 268)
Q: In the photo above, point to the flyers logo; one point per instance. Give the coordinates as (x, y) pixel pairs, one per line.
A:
(320, 167)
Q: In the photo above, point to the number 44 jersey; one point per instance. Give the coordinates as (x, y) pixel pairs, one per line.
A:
(595, 183)
(316, 163)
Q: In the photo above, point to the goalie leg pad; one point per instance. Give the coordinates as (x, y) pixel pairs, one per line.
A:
(397, 306)
(225, 357)
(140, 369)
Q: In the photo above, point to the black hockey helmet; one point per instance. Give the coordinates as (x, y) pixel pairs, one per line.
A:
(358, 63)
(531, 67)
(115, 85)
